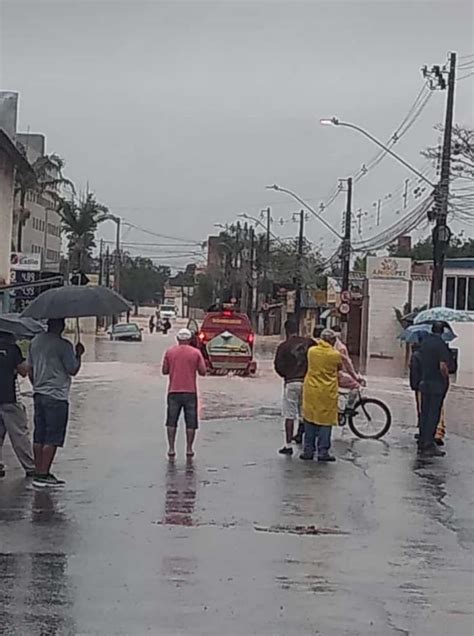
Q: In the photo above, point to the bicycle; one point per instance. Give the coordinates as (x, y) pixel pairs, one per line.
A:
(368, 418)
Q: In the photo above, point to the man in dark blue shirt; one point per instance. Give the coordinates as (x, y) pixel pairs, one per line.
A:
(12, 413)
(435, 360)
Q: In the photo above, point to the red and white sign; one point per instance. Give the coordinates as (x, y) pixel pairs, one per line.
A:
(346, 296)
(344, 308)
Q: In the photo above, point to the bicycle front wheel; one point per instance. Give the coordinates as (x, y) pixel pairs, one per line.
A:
(370, 418)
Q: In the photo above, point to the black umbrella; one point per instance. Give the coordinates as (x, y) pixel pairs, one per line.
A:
(20, 327)
(76, 302)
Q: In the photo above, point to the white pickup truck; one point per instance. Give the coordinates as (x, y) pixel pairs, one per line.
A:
(168, 310)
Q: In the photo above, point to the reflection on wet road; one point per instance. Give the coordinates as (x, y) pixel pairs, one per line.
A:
(239, 541)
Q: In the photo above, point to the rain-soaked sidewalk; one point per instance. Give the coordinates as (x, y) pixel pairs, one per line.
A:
(241, 540)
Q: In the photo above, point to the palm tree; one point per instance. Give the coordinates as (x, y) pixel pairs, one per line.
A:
(48, 180)
(79, 221)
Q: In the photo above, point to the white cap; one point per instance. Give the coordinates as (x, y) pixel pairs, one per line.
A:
(184, 334)
(328, 335)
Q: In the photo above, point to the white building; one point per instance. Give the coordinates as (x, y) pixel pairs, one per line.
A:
(391, 285)
(458, 283)
(41, 232)
(11, 160)
(458, 293)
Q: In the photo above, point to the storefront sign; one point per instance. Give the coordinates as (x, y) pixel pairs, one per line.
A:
(333, 291)
(388, 267)
(25, 262)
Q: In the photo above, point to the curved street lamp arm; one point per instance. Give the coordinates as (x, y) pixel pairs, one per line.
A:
(318, 216)
(386, 149)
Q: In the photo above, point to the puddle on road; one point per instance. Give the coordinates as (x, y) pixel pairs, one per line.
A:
(300, 530)
(307, 583)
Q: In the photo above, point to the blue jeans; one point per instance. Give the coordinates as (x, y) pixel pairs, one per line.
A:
(322, 433)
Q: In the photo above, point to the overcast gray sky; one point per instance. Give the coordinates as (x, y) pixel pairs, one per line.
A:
(179, 113)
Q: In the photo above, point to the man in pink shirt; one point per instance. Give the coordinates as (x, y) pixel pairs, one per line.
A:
(182, 363)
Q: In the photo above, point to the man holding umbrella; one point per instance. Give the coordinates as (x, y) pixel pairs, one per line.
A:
(52, 362)
(435, 361)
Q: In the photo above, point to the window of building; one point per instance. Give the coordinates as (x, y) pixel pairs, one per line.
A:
(450, 291)
(459, 292)
(470, 294)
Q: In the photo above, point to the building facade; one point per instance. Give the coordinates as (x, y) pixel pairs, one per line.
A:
(41, 230)
(11, 161)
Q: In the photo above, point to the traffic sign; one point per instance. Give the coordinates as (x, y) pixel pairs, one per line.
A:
(346, 296)
(344, 308)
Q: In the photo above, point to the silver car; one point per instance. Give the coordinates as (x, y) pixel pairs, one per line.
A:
(126, 331)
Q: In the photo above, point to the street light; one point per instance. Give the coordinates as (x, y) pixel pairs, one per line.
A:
(335, 121)
(306, 205)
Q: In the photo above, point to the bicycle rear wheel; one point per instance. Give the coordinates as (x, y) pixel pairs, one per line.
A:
(370, 418)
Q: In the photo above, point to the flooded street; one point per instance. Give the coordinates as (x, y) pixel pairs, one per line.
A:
(241, 540)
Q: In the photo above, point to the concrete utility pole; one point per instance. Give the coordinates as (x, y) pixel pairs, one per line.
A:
(101, 262)
(346, 243)
(107, 268)
(299, 271)
(441, 232)
(250, 282)
(267, 249)
(117, 263)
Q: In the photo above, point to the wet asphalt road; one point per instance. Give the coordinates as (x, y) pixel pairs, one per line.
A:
(135, 545)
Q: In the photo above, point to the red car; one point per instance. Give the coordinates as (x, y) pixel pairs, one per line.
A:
(226, 340)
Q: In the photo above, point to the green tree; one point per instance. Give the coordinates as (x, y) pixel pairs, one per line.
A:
(459, 247)
(80, 220)
(284, 262)
(48, 181)
(142, 281)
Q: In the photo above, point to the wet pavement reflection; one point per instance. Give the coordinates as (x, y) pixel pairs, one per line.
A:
(240, 540)
(180, 498)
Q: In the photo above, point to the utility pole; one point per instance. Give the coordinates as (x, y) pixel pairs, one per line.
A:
(101, 262)
(250, 281)
(117, 256)
(346, 243)
(441, 232)
(107, 268)
(299, 271)
(267, 249)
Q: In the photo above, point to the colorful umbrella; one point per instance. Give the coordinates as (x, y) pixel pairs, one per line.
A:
(444, 314)
(413, 334)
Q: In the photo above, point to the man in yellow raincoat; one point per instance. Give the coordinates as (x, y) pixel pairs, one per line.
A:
(320, 397)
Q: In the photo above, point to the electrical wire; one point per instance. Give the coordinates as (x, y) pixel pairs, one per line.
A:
(403, 226)
(407, 122)
(152, 233)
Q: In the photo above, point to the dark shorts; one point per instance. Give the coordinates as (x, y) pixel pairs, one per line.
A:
(182, 401)
(50, 420)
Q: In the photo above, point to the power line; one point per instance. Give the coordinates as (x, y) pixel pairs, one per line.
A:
(414, 112)
(152, 233)
(402, 226)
